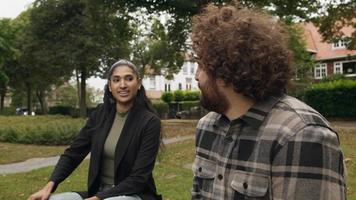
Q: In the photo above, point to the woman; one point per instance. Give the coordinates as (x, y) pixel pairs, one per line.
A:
(123, 137)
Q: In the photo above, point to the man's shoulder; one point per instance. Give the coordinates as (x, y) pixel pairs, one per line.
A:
(209, 119)
(293, 109)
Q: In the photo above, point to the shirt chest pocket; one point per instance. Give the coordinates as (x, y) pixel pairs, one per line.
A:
(249, 185)
(204, 172)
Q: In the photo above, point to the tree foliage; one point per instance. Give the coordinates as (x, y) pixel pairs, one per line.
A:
(156, 53)
(337, 16)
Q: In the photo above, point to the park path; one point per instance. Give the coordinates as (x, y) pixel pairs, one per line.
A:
(36, 163)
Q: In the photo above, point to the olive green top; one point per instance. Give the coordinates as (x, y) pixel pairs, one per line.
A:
(107, 168)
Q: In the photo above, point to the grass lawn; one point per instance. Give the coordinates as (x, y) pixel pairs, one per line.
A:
(11, 153)
(15, 152)
(172, 179)
(172, 172)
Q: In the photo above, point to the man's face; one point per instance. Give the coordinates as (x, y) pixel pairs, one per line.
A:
(211, 97)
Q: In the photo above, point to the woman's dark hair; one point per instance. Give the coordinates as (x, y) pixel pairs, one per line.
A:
(245, 48)
(141, 98)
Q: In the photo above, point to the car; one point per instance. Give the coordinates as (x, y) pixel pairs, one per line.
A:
(23, 111)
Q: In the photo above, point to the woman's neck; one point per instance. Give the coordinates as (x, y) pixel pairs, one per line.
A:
(123, 108)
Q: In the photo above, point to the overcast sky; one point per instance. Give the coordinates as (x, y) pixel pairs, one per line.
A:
(12, 8)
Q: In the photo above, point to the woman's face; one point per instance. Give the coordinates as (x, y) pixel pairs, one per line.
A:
(123, 85)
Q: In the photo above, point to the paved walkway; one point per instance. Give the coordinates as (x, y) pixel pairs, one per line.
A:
(35, 163)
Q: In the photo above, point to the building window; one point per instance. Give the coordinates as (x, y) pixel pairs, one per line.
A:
(185, 70)
(188, 85)
(152, 82)
(320, 71)
(337, 67)
(165, 87)
(192, 68)
(340, 44)
(179, 86)
(169, 87)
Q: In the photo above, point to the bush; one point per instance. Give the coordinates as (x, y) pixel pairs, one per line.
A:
(61, 110)
(333, 99)
(191, 96)
(161, 108)
(178, 95)
(187, 105)
(167, 97)
(42, 130)
(8, 111)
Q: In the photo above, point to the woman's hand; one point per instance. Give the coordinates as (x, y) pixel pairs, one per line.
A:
(93, 198)
(42, 194)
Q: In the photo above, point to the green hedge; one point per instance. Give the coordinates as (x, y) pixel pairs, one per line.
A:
(180, 95)
(167, 97)
(7, 111)
(187, 105)
(333, 99)
(42, 130)
(161, 108)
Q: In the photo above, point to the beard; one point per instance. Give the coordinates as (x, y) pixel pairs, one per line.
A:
(213, 99)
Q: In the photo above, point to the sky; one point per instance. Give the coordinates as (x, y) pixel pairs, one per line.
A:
(12, 8)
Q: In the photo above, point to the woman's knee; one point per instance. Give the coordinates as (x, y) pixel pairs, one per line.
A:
(134, 197)
(66, 196)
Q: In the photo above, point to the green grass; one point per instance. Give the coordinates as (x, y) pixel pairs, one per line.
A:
(15, 152)
(348, 145)
(11, 152)
(172, 179)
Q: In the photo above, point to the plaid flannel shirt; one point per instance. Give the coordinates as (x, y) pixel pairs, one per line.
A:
(280, 149)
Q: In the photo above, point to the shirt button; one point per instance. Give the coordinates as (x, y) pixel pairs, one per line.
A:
(245, 185)
(200, 169)
(220, 177)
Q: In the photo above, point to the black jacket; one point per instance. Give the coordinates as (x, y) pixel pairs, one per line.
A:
(135, 154)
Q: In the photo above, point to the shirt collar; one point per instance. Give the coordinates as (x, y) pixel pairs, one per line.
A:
(255, 115)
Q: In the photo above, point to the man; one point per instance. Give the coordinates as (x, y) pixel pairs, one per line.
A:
(257, 142)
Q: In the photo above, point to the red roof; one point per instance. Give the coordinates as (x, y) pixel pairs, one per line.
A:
(324, 50)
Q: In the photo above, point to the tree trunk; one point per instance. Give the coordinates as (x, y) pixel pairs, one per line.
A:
(2, 99)
(29, 99)
(41, 95)
(78, 87)
(83, 104)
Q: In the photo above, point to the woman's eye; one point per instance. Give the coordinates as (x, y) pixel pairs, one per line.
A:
(115, 80)
(129, 78)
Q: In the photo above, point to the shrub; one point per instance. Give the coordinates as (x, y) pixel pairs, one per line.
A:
(161, 108)
(42, 130)
(8, 111)
(187, 105)
(167, 97)
(192, 96)
(333, 99)
(178, 95)
(61, 110)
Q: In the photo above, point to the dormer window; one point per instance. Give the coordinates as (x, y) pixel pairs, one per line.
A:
(340, 44)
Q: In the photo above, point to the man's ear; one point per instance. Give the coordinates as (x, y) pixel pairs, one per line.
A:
(221, 83)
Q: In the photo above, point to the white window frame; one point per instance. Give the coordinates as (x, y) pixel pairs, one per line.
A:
(340, 44)
(338, 68)
(152, 81)
(185, 70)
(192, 68)
(320, 71)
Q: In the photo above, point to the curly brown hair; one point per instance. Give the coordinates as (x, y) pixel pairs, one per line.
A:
(247, 48)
